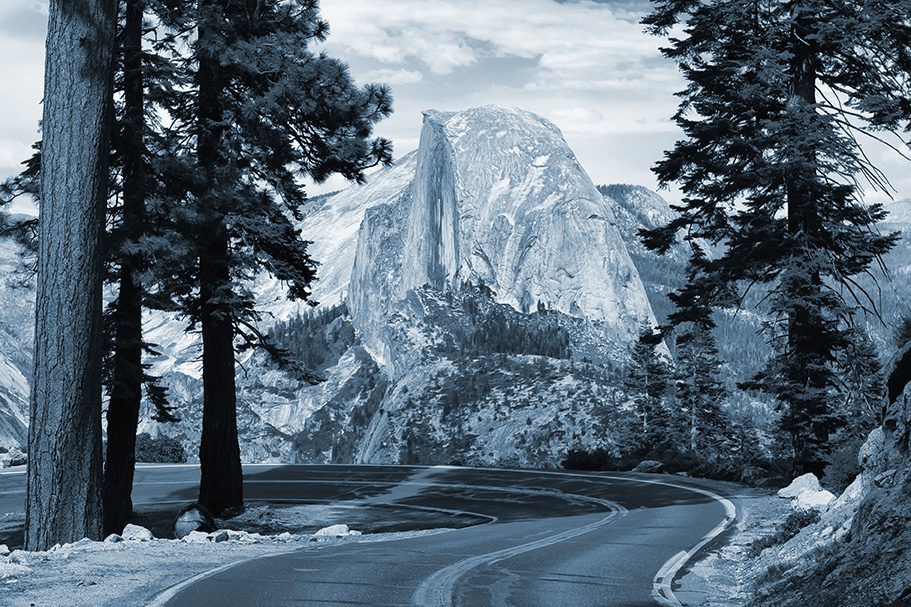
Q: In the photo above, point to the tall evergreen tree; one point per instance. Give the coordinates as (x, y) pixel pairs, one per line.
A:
(648, 381)
(778, 94)
(63, 502)
(266, 110)
(700, 391)
(136, 236)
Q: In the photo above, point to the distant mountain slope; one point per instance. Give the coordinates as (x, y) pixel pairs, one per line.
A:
(17, 310)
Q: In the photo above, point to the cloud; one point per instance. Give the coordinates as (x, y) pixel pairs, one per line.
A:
(393, 76)
(567, 39)
(24, 19)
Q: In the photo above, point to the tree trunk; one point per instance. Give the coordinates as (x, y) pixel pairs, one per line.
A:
(221, 482)
(126, 387)
(63, 502)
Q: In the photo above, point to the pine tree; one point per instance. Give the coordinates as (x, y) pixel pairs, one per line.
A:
(142, 235)
(778, 95)
(648, 381)
(700, 391)
(265, 111)
(63, 502)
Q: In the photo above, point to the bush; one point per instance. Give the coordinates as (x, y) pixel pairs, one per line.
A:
(160, 450)
(843, 467)
(580, 459)
(792, 525)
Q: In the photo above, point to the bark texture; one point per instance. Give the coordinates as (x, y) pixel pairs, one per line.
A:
(63, 501)
(126, 387)
(221, 481)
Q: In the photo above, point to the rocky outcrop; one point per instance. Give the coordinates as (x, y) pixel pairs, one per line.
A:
(867, 562)
(497, 198)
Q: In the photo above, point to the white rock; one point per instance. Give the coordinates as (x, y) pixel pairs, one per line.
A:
(800, 484)
(195, 537)
(113, 539)
(816, 500)
(135, 533)
(4, 550)
(333, 531)
(242, 537)
(283, 537)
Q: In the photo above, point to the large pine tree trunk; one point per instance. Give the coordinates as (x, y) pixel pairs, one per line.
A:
(63, 501)
(126, 387)
(221, 482)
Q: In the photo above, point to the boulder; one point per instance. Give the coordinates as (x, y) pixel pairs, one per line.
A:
(752, 474)
(649, 465)
(815, 500)
(221, 536)
(135, 533)
(194, 517)
(17, 458)
(334, 531)
(807, 482)
(113, 539)
(195, 537)
(4, 550)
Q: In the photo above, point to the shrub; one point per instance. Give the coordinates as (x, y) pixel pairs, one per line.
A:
(792, 525)
(160, 450)
(843, 467)
(581, 459)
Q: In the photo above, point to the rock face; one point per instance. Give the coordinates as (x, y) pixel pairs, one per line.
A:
(499, 197)
(868, 564)
(496, 198)
(17, 311)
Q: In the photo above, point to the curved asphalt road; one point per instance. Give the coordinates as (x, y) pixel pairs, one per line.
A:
(552, 539)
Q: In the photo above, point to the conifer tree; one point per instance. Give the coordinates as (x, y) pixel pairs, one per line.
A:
(778, 96)
(700, 391)
(648, 380)
(265, 111)
(63, 500)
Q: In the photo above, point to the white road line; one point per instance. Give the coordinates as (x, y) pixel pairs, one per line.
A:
(662, 584)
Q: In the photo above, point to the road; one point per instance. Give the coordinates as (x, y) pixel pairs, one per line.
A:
(547, 538)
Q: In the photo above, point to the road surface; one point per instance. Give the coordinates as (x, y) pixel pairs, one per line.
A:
(545, 538)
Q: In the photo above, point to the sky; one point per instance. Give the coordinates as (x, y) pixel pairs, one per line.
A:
(586, 65)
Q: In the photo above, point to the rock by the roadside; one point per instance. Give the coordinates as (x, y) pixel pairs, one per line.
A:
(195, 537)
(113, 539)
(807, 482)
(752, 474)
(221, 536)
(334, 531)
(16, 458)
(815, 500)
(135, 533)
(4, 550)
(194, 517)
(649, 465)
